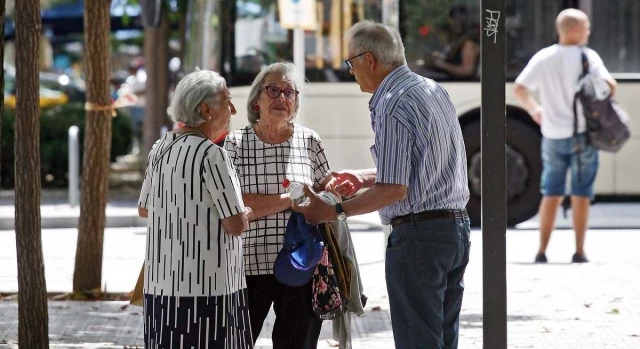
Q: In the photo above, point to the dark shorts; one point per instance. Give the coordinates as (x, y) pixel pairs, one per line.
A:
(560, 155)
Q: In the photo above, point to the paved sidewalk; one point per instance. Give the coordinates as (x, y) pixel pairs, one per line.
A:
(558, 305)
(122, 211)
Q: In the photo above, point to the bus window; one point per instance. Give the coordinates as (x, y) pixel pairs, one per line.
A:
(615, 34)
(530, 26)
(260, 40)
(442, 38)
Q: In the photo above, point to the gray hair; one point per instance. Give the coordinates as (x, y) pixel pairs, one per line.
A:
(382, 41)
(287, 70)
(195, 88)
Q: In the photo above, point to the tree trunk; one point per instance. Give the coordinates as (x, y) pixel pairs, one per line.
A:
(33, 318)
(2, 19)
(97, 147)
(156, 61)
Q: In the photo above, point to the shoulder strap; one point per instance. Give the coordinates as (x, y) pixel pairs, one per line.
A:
(585, 63)
(578, 148)
(166, 149)
(585, 71)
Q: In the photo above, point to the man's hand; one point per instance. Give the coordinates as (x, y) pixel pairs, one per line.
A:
(317, 211)
(345, 183)
(342, 188)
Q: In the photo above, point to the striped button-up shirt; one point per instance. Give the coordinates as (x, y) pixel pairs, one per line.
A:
(418, 144)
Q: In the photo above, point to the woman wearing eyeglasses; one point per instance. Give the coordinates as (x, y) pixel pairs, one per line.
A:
(267, 151)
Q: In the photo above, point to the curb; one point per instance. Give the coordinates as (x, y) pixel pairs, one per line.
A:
(121, 211)
(68, 218)
(53, 217)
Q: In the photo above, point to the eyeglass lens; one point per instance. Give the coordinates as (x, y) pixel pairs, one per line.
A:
(274, 92)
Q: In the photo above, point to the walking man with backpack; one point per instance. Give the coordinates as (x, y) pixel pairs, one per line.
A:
(554, 72)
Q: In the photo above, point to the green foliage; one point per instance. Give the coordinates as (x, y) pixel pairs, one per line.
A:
(54, 130)
(59, 2)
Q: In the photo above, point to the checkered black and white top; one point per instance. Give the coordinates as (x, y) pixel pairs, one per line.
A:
(261, 168)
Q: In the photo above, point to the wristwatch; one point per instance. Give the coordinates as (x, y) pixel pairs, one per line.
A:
(340, 214)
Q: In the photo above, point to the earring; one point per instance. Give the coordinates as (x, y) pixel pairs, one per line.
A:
(256, 108)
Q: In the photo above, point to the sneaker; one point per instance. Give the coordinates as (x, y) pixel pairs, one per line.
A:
(579, 258)
(541, 258)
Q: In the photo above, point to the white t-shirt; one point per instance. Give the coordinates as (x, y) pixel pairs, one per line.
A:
(137, 84)
(554, 73)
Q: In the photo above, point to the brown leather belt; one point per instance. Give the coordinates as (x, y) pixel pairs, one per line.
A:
(429, 216)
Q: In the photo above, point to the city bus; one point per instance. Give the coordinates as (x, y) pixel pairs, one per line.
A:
(238, 38)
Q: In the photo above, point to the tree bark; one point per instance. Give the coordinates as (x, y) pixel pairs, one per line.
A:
(97, 147)
(33, 318)
(2, 19)
(156, 61)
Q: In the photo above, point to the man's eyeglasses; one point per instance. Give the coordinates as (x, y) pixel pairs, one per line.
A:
(274, 92)
(348, 60)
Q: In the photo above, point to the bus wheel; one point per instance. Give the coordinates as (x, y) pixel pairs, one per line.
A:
(523, 171)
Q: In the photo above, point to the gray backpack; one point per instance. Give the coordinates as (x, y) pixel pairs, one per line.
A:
(607, 127)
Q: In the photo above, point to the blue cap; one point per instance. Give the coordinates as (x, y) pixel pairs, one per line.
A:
(300, 253)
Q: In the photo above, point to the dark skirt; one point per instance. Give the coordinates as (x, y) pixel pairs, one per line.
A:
(220, 322)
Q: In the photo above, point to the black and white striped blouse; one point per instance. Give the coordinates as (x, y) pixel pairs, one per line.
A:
(188, 190)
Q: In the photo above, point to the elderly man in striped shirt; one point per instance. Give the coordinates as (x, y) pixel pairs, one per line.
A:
(419, 186)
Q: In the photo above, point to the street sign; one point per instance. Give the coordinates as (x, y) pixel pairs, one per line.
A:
(299, 14)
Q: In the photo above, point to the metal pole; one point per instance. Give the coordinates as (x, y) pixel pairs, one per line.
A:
(298, 51)
(390, 13)
(74, 166)
(493, 121)
(299, 60)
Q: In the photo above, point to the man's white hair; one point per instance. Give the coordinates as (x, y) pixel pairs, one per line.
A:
(195, 88)
(381, 41)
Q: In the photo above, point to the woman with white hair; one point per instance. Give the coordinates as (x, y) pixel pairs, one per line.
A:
(269, 150)
(195, 293)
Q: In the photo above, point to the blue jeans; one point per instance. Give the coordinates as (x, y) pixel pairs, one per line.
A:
(425, 264)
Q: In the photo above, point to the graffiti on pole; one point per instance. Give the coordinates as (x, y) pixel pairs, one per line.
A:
(493, 17)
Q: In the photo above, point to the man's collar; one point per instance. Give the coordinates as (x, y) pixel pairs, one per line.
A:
(386, 83)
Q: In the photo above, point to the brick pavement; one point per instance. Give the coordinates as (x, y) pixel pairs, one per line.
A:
(558, 305)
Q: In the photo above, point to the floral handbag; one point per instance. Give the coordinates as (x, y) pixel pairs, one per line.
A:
(327, 301)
